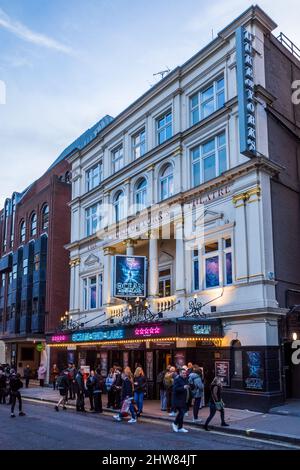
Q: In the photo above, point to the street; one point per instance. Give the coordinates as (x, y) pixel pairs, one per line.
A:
(44, 429)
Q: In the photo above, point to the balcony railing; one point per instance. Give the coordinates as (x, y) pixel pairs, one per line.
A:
(285, 41)
(165, 304)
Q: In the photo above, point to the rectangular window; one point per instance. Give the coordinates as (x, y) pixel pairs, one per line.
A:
(118, 159)
(139, 144)
(209, 160)
(100, 293)
(94, 176)
(85, 294)
(93, 219)
(164, 127)
(36, 262)
(212, 272)
(228, 261)
(93, 292)
(3, 278)
(165, 283)
(207, 100)
(15, 271)
(196, 284)
(25, 267)
(218, 265)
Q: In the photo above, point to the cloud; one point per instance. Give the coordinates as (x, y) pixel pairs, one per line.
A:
(25, 33)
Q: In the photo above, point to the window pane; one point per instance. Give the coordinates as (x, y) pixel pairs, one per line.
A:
(220, 84)
(196, 153)
(196, 173)
(168, 132)
(208, 93)
(222, 161)
(228, 268)
(212, 272)
(165, 272)
(209, 168)
(228, 243)
(171, 186)
(209, 146)
(169, 117)
(168, 288)
(220, 99)
(221, 139)
(161, 289)
(194, 101)
(207, 108)
(195, 116)
(161, 137)
(210, 247)
(196, 275)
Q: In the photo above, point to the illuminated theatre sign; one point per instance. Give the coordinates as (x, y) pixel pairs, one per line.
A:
(245, 83)
(130, 276)
(90, 336)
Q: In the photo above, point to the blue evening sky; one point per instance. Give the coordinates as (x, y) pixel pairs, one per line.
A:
(66, 63)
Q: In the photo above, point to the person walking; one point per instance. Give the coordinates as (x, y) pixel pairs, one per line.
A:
(62, 383)
(54, 375)
(42, 374)
(72, 382)
(117, 388)
(80, 390)
(216, 403)
(180, 396)
(140, 384)
(196, 388)
(2, 387)
(168, 383)
(15, 385)
(27, 373)
(127, 395)
(90, 385)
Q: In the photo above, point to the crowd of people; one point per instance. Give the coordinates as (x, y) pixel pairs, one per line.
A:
(181, 389)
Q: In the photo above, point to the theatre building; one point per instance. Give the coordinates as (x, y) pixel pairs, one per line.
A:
(185, 234)
(34, 226)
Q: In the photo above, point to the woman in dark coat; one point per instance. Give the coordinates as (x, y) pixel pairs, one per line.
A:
(127, 394)
(179, 399)
(216, 402)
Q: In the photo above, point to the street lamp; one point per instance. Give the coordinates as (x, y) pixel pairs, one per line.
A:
(295, 336)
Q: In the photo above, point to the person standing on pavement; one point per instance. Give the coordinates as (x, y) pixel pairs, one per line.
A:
(90, 385)
(72, 384)
(140, 384)
(180, 395)
(54, 375)
(117, 388)
(196, 388)
(80, 390)
(15, 385)
(216, 403)
(97, 391)
(162, 389)
(168, 383)
(62, 386)
(27, 373)
(42, 375)
(2, 387)
(109, 382)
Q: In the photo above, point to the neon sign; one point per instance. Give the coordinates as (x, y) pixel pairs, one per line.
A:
(97, 336)
(156, 330)
(202, 329)
(59, 339)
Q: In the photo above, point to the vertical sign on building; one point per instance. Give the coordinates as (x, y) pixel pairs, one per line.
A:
(245, 85)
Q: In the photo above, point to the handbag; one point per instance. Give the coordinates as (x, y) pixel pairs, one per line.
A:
(125, 407)
(219, 405)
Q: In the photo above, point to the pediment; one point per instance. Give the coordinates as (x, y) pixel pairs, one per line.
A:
(91, 260)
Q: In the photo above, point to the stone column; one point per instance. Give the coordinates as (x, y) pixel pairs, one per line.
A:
(180, 259)
(107, 280)
(153, 265)
(130, 247)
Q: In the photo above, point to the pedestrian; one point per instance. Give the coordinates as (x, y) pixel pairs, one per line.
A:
(168, 383)
(42, 374)
(140, 385)
(62, 383)
(127, 396)
(90, 385)
(15, 385)
(110, 389)
(2, 387)
(196, 388)
(97, 391)
(180, 395)
(54, 375)
(189, 368)
(117, 388)
(27, 373)
(80, 390)
(216, 403)
(162, 389)
(72, 382)
(8, 374)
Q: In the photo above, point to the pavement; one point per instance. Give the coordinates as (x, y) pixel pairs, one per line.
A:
(44, 429)
(277, 426)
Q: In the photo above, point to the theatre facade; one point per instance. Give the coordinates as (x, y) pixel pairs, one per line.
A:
(177, 209)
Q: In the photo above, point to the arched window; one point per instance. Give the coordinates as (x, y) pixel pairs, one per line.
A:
(45, 217)
(22, 231)
(119, 204)
(166, 183)
(141, 194)
(33, 225)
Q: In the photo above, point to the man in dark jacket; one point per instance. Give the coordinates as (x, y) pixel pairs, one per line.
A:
(97, 391)
(180, 395)
(2, 387)
(15, 385)
(72, 382)
(80, 390)
(62, 386)
(27, 375)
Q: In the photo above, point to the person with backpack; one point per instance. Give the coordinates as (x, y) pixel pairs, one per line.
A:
(196, 388)
(109, 388)
(62, 383)
(162, 389)
(168, 383)
(216, 403)
(15, 385)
